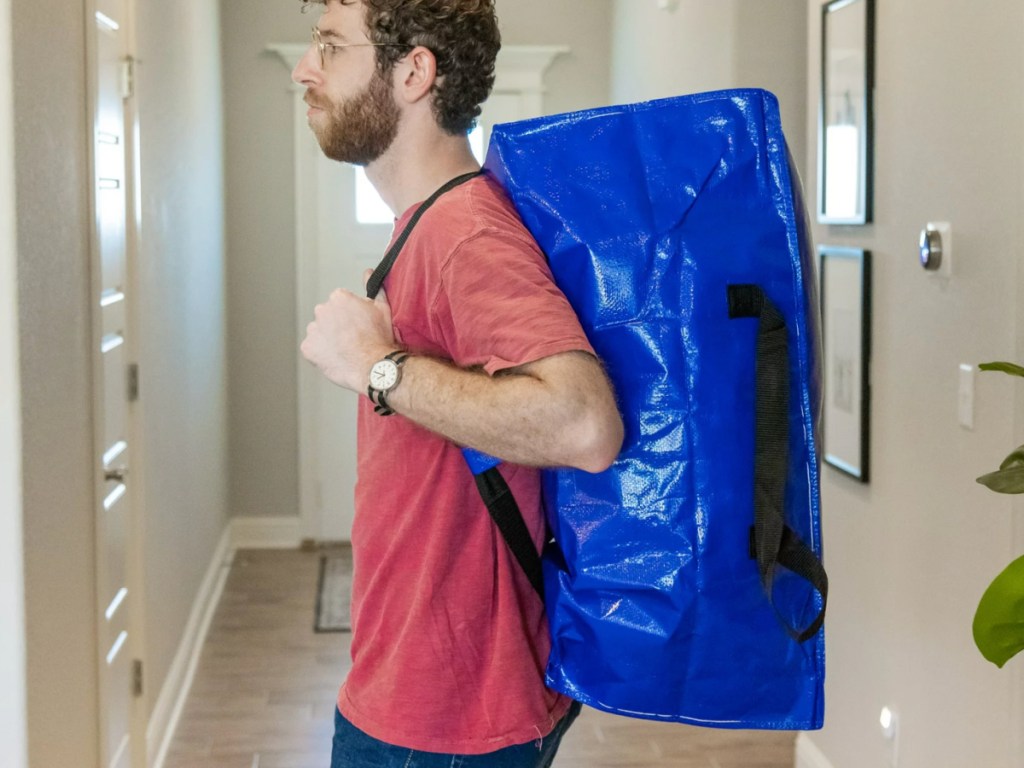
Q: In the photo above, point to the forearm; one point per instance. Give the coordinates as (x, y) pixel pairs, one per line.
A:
(521, 417)
(558, 411)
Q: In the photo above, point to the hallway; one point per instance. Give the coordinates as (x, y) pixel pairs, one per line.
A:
(264, 691)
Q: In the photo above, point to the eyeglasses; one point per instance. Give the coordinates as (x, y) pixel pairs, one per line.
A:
(318, 41)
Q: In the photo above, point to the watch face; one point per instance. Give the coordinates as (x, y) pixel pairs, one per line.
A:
(384, 375)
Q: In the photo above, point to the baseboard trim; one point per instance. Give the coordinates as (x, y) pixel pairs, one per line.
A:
(266, 532)
(808, 755)
(174, 693)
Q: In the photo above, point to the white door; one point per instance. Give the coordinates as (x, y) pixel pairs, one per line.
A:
(112, 336)
(346, 248)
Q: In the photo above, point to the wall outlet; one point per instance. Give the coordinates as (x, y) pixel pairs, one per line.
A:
(889, 721)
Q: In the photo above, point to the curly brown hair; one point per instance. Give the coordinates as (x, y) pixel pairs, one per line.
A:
(464, 38)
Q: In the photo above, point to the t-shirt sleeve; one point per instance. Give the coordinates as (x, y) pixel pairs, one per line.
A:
(497, 305)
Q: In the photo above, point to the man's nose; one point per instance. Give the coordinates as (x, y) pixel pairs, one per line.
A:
(307, 71)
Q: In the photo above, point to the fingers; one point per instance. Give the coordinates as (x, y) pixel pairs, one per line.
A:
(344, 327)
(306, 348)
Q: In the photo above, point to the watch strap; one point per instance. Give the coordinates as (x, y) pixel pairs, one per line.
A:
(382, 408)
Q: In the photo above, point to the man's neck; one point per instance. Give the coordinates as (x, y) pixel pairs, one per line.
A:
(412, 170)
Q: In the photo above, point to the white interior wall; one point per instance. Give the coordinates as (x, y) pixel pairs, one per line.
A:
(701, 46)
(262, 386)
(668, 52)
(182, 294)
(910, 554)
(771, 53)
(579, 79)
(261, 220)
(13, 726)
(52, 183)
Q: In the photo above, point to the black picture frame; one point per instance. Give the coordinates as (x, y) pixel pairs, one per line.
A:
(846, 112)
(845, 291)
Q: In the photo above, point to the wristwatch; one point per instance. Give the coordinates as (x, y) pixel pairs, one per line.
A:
(385, 375)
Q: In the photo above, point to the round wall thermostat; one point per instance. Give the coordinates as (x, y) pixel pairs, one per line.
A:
(930, 249)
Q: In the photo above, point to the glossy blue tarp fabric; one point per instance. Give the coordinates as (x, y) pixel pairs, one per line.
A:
(647, 213)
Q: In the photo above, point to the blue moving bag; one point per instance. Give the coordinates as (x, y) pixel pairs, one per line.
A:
(677, 230)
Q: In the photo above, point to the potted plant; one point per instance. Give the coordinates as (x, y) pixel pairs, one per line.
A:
(999, 620)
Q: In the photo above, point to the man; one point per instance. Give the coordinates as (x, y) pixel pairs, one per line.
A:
(470, 344)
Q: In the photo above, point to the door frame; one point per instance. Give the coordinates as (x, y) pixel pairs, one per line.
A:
(14, 707)
(519, 71)
(134, 647)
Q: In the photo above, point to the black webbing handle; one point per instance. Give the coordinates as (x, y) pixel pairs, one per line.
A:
(377, 278)
(773, 542)
(501, 505)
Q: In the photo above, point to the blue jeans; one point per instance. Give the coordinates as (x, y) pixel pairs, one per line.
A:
(355, 749)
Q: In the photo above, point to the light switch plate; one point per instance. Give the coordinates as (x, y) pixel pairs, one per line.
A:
(965, 397)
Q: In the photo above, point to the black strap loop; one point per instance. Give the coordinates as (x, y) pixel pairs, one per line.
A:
(773, 542)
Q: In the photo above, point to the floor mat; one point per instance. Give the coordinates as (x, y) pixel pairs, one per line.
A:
(334, 591)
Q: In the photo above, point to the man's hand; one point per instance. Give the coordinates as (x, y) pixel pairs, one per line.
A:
(348, 335)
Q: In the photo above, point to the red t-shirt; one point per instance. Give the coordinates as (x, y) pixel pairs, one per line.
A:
(449, 639)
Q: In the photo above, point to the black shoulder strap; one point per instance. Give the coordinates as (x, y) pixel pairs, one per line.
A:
(377, 278)
(505, 513)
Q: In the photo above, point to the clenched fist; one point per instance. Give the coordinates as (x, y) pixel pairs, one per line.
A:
(349, 333)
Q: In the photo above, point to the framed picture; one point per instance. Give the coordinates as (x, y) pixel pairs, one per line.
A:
(846, 341)
(845, 141)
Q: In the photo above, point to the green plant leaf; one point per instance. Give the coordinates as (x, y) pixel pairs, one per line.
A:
(1005, 480)
(1014, 459)
(1010, 368)
(999, 620)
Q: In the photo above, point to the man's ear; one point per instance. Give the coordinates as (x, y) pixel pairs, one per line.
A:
(415, 74)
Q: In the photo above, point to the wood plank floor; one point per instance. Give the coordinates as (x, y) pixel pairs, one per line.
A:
(264, 691)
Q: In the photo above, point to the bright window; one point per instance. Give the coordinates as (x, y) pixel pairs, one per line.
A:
(370, 209)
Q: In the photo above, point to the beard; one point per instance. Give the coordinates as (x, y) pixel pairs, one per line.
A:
(360, 129)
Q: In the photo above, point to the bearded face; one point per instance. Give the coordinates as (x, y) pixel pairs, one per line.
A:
(359, 129)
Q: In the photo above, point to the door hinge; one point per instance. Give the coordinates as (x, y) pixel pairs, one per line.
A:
(127, 77)
(137, 677)
(133, 382)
